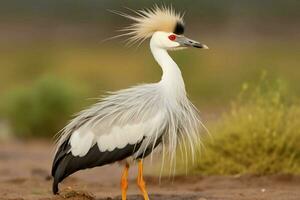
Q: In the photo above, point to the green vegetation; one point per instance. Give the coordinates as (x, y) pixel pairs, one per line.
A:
(213, 77)
(40, 110)
(259, 135)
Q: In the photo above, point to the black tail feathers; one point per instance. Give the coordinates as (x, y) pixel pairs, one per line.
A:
(58, 177)
(59, 165)
(61, 170)
(55, 186)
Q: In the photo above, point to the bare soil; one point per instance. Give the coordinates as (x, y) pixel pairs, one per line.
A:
(25, 168)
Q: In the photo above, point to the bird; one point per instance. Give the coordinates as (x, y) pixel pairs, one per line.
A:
(126, 126)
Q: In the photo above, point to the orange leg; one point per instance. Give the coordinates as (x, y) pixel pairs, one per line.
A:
(140, 181)
(124, 181)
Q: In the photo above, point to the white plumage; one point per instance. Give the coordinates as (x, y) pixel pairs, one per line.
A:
(130, 123)
(127, 116)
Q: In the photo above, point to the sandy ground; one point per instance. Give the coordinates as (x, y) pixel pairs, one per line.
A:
(25, 167)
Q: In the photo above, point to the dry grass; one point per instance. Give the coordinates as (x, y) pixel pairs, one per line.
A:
(259, 135)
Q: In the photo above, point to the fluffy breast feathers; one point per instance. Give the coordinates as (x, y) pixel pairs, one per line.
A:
(129, 116)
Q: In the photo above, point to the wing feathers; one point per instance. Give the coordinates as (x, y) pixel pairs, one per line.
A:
(81, 142)
(83, 139)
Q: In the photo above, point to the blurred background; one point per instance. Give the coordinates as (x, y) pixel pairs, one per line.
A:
(54, 62)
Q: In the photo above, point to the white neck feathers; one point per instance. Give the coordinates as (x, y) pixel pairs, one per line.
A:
(171, 79)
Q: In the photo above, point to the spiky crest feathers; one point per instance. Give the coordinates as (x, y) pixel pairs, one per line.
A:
(148, 21)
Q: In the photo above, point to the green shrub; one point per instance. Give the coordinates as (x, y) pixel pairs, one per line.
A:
(259, 135)
(41, 110)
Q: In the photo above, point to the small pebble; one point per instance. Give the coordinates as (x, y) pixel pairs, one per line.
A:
(263, 190)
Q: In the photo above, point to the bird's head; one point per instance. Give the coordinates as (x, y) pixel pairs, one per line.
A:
(172, 41)
(163, 25)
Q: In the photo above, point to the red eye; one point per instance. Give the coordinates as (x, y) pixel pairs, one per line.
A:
(172, 37)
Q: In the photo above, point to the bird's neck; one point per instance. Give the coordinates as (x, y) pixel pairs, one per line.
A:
(171, 79)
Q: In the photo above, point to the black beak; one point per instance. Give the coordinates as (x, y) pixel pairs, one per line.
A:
(198, 45)
(186, 42)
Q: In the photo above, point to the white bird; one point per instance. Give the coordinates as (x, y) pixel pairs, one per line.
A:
(128, 124)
